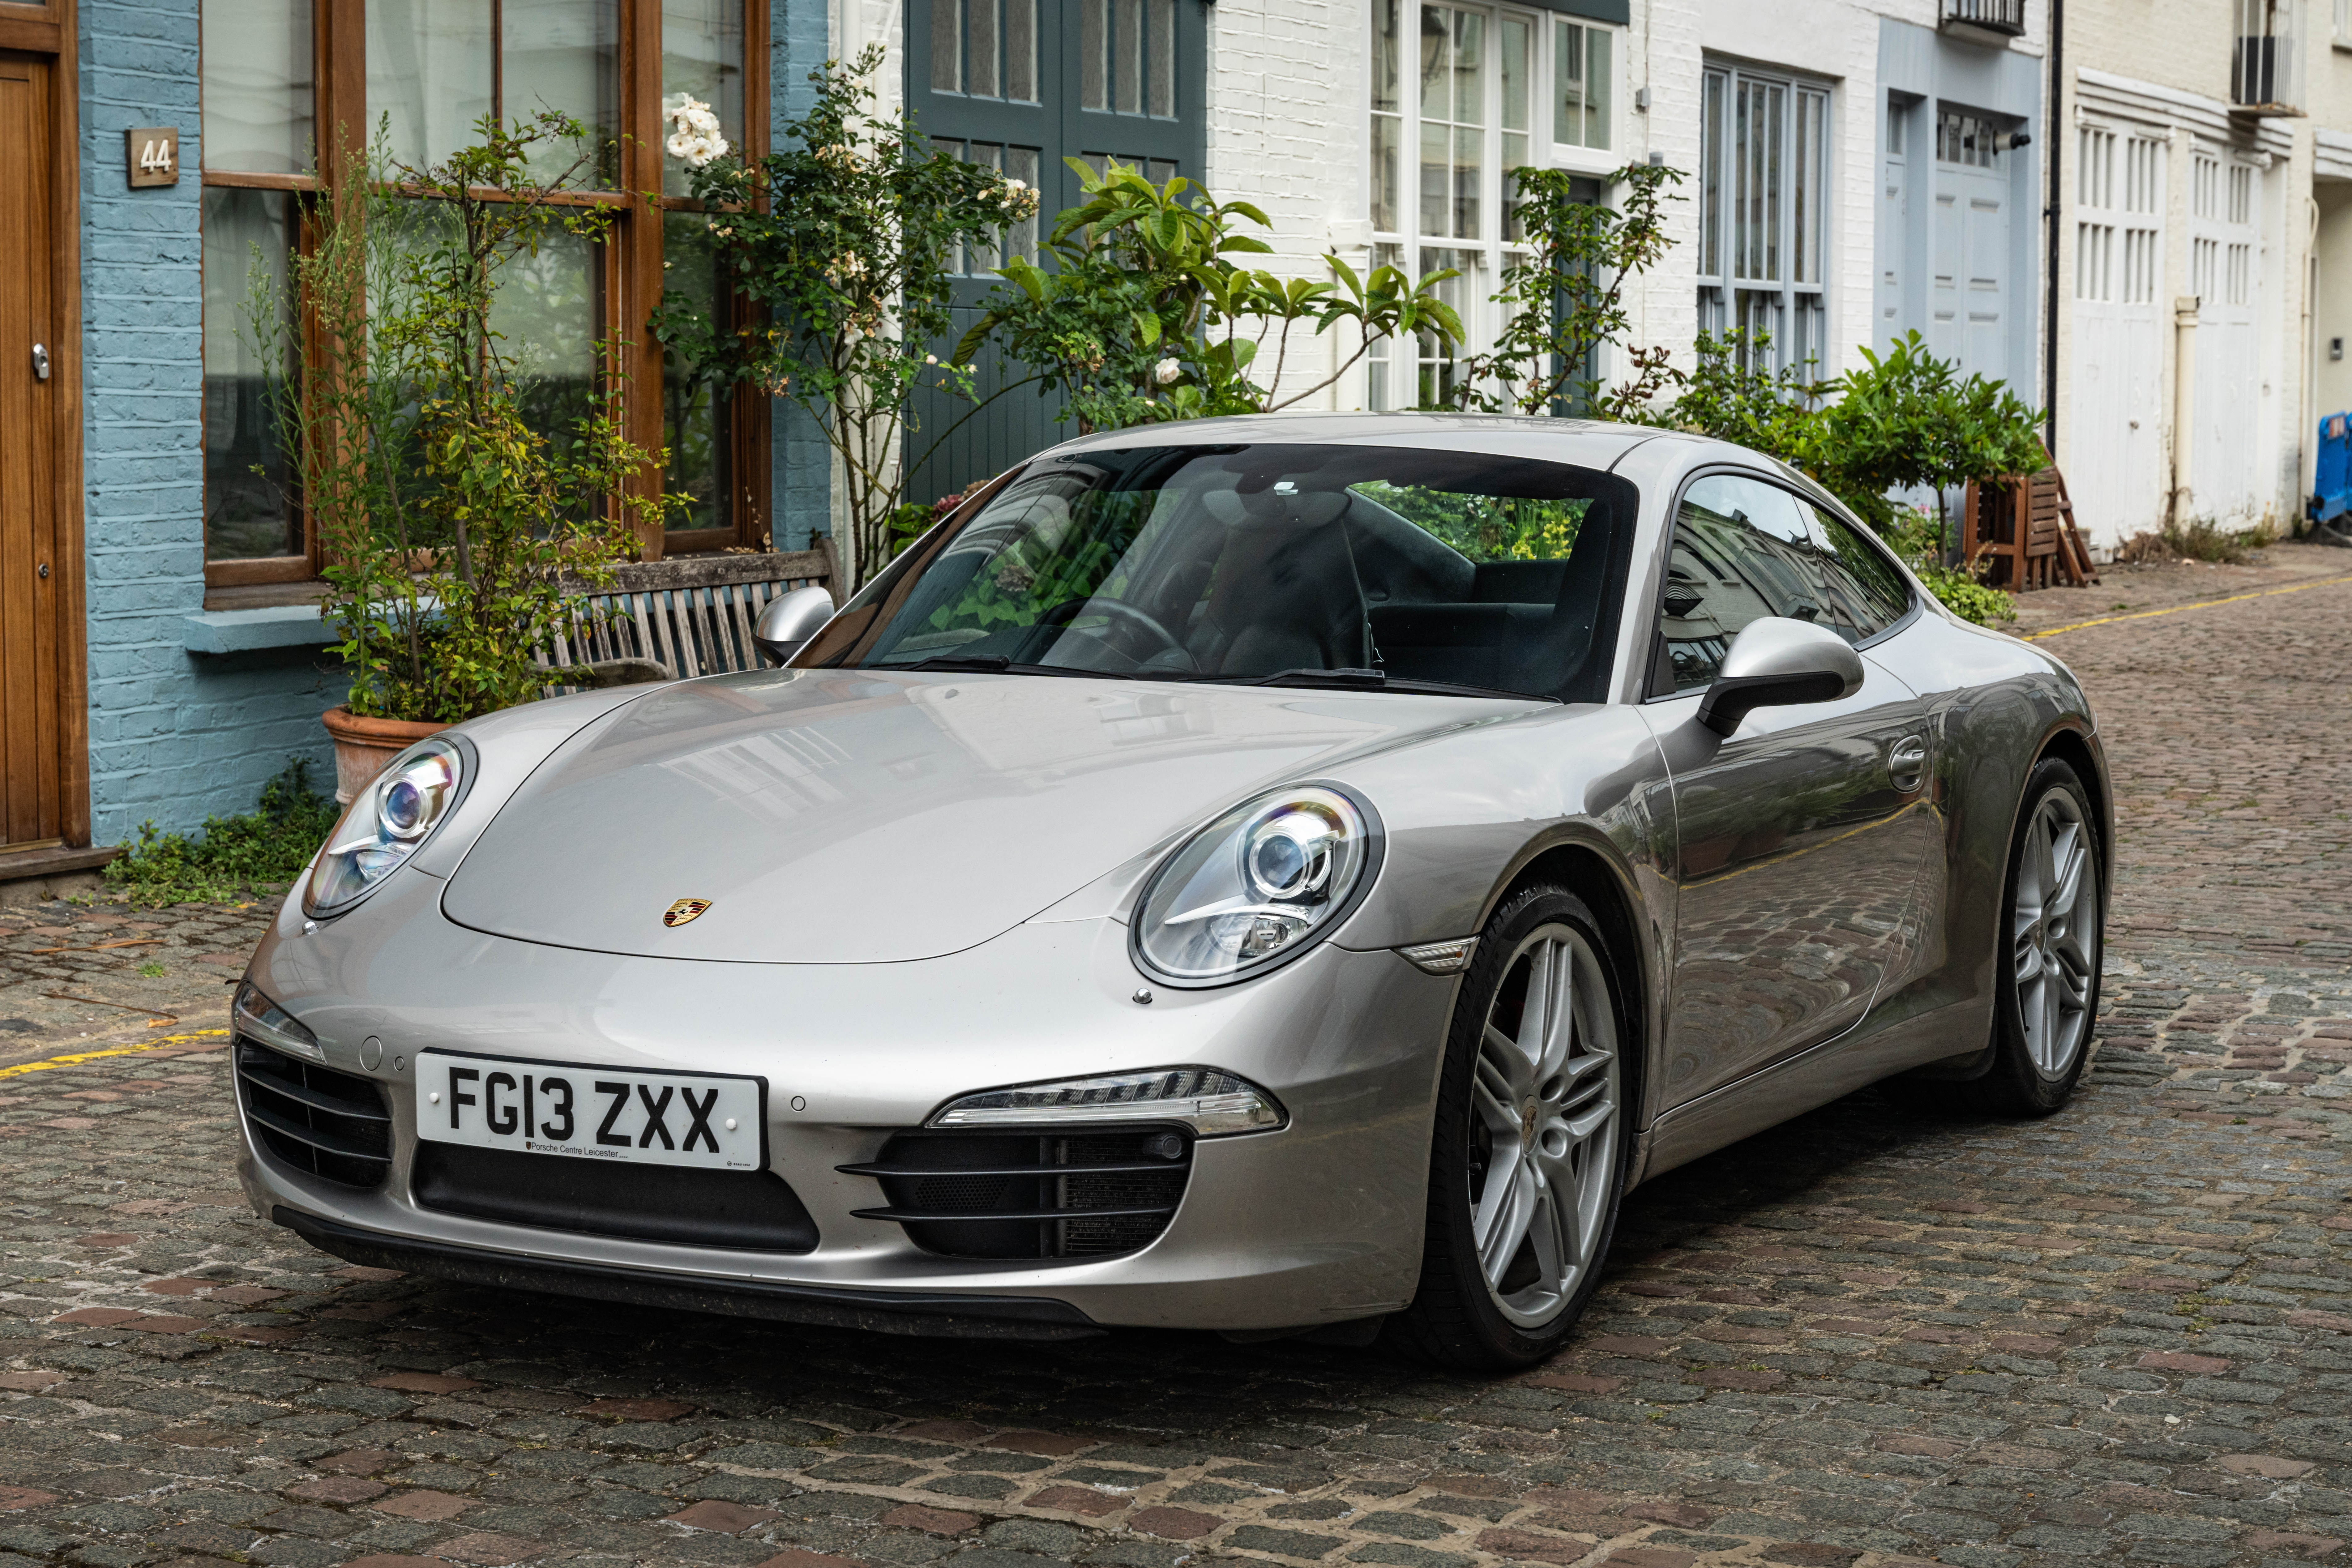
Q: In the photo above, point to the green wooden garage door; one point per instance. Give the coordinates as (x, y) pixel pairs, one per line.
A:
(1020, 85)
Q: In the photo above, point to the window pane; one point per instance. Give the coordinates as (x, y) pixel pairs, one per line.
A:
(257, 90)
(562, 55)
(1092, 42)
(429, 74)
(694, 412)
(1568, 84)
(1515, 37)
(1020, 239)
(1162, 51)
(980, 48)
(1387, 132)
(702, 58)
(1436, 65)
(1021, 50)
(545, 314)
(1469, 67)
(1127, 48)
(947, 46)
(249, 504)
(1597, 89)
(1864, 594)
(1387, 59)
(1468, 174)
(1710, 180)
(1436, 177)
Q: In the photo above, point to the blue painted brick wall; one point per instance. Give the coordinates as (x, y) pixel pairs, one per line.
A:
(173, 736)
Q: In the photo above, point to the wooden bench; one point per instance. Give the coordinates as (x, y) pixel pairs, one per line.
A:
(2024, 526)
(671, 620)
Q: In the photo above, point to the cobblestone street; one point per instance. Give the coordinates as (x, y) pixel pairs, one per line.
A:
(2121, 1335)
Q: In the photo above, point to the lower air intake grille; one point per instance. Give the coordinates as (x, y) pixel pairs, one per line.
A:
(1052, 1194)
(753, 1210)
(328, 1123)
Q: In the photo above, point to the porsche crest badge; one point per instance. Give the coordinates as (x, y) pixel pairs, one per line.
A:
(685, 910)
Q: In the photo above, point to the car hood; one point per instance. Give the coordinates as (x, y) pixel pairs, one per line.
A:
(858, 816)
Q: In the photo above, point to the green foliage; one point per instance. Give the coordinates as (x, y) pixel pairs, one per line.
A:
(2207, 539)
(1919, 540)
(841, 244)
(233, 857)
(1563, 299)
(1733, 396)
(461, 512)
(1486, 528)
(1143, 315)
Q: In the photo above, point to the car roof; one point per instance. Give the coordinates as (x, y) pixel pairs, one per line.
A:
(1587, 443)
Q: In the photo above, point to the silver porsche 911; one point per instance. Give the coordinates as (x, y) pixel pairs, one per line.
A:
(1275, 876)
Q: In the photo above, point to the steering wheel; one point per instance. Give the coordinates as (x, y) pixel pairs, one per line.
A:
(1120, 611)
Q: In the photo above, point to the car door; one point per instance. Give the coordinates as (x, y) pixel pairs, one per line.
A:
(1798, 851)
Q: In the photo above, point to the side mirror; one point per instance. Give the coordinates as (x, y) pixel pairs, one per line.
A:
(790, 620)
(1778, 663)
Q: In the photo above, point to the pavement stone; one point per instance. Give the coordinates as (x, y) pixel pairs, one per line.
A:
(1869, 1338)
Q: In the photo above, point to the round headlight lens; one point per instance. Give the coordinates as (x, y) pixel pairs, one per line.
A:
(388, 823)
(1257, 887)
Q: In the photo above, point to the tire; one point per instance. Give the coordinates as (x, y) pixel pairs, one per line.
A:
(2046, 1003)
(1528, 1113)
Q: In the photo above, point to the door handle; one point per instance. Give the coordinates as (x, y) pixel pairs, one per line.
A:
(1907, 763)
(40, 361)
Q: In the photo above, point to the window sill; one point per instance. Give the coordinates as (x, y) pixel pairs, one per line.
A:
(248, 630)
(263, 595)
(1588, 161)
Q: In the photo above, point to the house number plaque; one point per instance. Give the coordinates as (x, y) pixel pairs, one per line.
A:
(154, 155)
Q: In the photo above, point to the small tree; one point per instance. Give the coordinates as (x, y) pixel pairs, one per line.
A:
(1564, 299)
(841, 247)
(1145, 316)
(455, 524)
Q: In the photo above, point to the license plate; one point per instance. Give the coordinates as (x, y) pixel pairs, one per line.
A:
(709, 1120)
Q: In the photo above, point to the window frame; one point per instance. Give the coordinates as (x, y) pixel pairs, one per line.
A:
(1415, 253)
(629, 263)
(1820, 500)
(1794, 301)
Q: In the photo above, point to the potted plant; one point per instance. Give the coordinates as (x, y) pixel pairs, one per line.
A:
(463, 509)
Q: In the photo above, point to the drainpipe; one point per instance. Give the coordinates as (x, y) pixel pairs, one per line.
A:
(2184, 399)
(2055, 138)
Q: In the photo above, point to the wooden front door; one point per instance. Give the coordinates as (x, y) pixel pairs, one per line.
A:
(34, 654)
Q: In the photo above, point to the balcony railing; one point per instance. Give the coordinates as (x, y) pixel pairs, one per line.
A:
(1995, 21)
(2262, 62)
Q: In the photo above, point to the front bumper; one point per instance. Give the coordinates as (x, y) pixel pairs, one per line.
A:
(1316, 1223)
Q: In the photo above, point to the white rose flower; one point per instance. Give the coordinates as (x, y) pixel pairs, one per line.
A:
(1166, 371)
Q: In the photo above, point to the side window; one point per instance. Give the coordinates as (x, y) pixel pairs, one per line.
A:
(1742, 550)
(1864, 594)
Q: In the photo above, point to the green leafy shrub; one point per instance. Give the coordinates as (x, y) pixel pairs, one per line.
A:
(1919, 540)
(230, 856)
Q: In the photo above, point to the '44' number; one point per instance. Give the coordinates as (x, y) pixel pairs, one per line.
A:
(156, 157)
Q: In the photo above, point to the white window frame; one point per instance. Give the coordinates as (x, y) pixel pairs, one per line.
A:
(1794, 306)
(1394, 373)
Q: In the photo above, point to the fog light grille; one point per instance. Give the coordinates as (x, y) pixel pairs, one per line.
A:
(1032, 1194)
(332, 1125)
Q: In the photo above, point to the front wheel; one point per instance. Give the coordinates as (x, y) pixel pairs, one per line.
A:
(2053, 920)
(1529, 1157)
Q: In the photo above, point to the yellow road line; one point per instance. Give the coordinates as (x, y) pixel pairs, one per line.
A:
(79, 1057)
(2176, 609)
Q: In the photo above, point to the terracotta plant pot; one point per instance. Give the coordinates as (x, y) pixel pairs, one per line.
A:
(362, 747)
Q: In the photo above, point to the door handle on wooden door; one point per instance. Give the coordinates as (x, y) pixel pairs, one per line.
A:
(40, 361)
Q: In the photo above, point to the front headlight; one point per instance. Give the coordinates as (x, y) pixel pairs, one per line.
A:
(391, 820)
(256, 1017)
(1257, 887)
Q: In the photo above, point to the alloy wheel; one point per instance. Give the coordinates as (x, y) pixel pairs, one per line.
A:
(1544, 1125)
(2055, 934)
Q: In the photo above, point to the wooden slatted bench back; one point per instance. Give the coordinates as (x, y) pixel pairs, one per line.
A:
(691, 616)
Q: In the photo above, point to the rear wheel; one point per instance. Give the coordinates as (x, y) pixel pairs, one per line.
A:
(2053, 920)
(1528, 1159)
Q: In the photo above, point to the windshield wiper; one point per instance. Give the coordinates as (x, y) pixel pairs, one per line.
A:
(1351, 679)
(998, 664)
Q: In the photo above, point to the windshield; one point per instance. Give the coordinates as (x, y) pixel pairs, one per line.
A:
(1384, 568)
